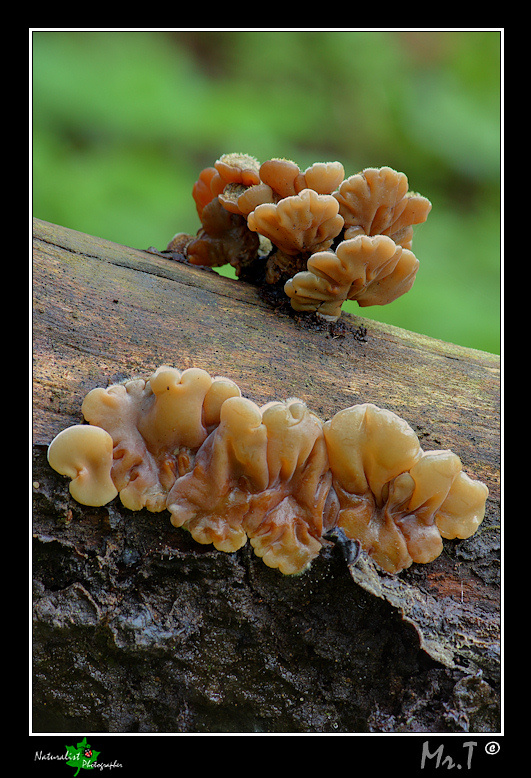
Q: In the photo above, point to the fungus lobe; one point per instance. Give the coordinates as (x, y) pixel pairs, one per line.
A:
(373, 270)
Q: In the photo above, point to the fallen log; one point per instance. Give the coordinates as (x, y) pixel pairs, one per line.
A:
(140, 629)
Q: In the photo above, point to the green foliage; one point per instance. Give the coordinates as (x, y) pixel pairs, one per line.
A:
(124, 121)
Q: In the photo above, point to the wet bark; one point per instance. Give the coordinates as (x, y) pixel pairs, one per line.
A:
(139, 629)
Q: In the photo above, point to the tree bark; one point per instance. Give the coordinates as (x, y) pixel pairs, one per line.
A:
(139, 629)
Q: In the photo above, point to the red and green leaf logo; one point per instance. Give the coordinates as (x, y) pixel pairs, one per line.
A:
(82, 756)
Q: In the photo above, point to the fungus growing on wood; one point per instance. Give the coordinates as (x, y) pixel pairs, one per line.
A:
(377, 202)
(224, 239)
(202, 190)
(281, 178)
(235, 169)
(84, 454)
(371, 270)
(298, 224)
(322, 177)
(295, 216)
(392, 495)
(156, 426)
(228, 470)
(262, 475)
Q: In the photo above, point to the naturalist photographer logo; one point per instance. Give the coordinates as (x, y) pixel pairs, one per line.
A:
(84, 757)
(80, 757)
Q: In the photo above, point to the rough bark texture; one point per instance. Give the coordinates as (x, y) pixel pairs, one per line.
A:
(139, 629)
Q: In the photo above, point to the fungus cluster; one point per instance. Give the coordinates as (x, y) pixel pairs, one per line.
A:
(323, 237)
(228, 470)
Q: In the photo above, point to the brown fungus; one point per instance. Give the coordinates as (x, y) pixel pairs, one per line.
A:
(297, 226)
(223, 239)
(157, 427)
(322, 177)
(282, 178)
(377, 202)
(371, 270)
(202, 190)
(299, 215)
(392, 495)
(84, 454)
(236, 169)
(263, 475)
(228, 470)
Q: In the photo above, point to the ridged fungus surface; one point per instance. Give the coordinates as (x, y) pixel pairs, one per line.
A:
(319, 236)
(229, 471)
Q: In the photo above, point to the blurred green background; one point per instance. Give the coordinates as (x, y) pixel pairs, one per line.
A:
(124, 121)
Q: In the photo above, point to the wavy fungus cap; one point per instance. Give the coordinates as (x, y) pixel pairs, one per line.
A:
(282, 178)
(322, 177)
(370, 270)
(228, 470)
(84, 454)
(224, 239)
(262, 475)
(156, 426)
(298, 224)
(377, 202)
(285, 178)
(280, 175)
(368, 447)
(238, 169)
(201, 191)
(463, 509)
(396, 499)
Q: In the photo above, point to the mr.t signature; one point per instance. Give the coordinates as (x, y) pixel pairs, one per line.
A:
(447, 761)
